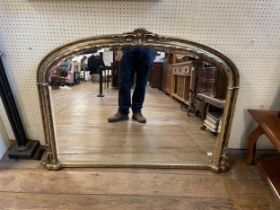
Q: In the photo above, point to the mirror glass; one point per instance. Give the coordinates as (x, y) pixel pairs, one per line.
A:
(175, 102)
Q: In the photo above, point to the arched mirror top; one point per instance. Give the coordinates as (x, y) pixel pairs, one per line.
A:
(139, 38)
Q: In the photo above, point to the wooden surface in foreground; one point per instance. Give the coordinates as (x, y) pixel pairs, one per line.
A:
(25, 185)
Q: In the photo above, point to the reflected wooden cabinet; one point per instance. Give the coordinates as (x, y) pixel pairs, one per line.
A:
(182, 81)
(206, 81)
(115, 74)
(211, 82)
(168, 80)
(210, 88)
(156, 78)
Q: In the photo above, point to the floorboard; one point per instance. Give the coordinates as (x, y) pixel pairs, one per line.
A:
(83, 133)
(32, 187)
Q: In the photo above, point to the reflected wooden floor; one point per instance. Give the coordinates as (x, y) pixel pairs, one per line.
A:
(83, 133)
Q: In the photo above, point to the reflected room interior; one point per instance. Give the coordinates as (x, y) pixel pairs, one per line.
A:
(184, 102)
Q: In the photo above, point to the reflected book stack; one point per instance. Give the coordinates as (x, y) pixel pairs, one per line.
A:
(213, 121)
(220, 126)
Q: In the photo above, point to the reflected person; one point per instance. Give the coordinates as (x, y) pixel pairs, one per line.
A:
(137, 61)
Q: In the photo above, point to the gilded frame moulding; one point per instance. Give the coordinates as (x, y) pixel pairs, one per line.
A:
(137, 38)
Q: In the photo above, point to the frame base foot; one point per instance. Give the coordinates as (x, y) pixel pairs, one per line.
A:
(49, 164)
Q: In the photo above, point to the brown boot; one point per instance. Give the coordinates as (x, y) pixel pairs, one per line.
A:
(118, 117)
(139, 117)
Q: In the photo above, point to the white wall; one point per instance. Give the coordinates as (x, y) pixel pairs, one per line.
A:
(245, 30)
(6, 133)
(4, 142)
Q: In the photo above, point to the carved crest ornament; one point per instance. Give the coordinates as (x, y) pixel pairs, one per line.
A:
(138, 37)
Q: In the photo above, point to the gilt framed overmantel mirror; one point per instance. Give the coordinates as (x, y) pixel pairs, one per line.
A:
(189, 104)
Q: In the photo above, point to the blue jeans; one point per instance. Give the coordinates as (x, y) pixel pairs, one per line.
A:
(137, 61)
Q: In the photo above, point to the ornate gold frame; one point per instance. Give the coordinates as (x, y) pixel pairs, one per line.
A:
(143, 38)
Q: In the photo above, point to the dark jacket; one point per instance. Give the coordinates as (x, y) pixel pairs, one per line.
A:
(95, 64)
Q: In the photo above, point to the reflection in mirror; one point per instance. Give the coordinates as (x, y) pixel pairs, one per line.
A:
(183, 107)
